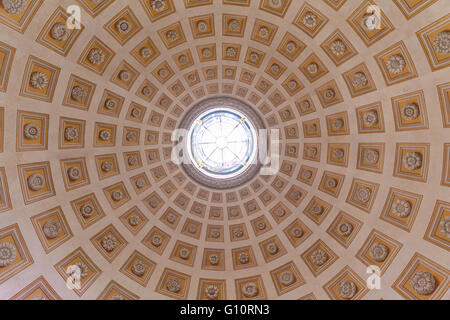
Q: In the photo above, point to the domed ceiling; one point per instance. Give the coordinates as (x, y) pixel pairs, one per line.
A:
(359, 90)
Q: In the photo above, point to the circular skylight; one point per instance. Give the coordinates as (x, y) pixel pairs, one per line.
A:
(222, 143)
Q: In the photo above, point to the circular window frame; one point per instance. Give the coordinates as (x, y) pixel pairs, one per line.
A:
(241, 107)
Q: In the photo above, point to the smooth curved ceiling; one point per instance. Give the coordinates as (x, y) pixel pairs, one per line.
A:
(363, 108)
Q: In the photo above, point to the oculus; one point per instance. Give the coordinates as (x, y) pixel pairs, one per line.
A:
(219, 143)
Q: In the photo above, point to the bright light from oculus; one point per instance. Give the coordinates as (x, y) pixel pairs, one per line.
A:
(222, 143)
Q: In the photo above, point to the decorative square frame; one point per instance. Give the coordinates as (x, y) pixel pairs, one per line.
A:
(35, 64)
(80, 163)
(156, 232)
(120, 240)
(132, 19)
(363, 72)
(279, 212)
(244, 3)
(434, 232)
(37, 289)
(346, 274)
(368, 110)
(143, 59)
(194, 22)
(290, 232)
(332, 191)
(292, 84)
(354, 201)
(227, 19)
(321, 70)
(42, 121)
(307, 174)
(417, 7)
(96, 43)
(214, 232)
(420, 263)
(342, 118)
(184, 279)
(290, 39)
(61, 47)
(417, 98)
(444, 98)
(92, 9)
(111, 128)
(375, 237)
(39, 221)
(406, 222)
(376, 166)
(150, 266)
(127, 68)
(234, 48)
(267, 38)
(407, 73)
(419, 174)
(110, 157)
(247, 250)
(331, 158)
(132, 160)
(268, 256)
(445, 181)
(5, 200)
(174, 27)
(154, 202)
(279, 11)
(335, 4)
(89, 89)
(113, 290)
(260, 225)
(12, 234)
(193, 225)
(203, 284)
(131, 137)
(78, 255)
(317, 218)
(175, 254)
(183, 59)
(163, 72)
(19, 22)
(426, 37)
(31, 196)
(256, 280)
(133, 227)
(283, 288)
(349, 51)
(206, 52)
(136, 112)
(312, 151)
(322, 20)
(155, 15)
(305, 105)
(322, 91)
(147, 90)
(97, 215)
(7, 54)
(196, 3)
(369, 37)
(316, 270)
(343, 238)
(117, 99)
(119, 186)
